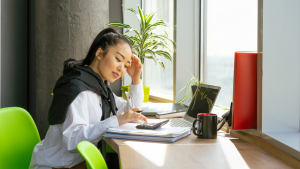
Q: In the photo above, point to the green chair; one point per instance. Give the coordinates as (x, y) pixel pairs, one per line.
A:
(18, 136)
(92, 155)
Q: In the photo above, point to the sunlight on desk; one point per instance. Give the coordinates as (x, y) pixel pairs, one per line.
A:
(233, 156)
(225, 152)
(155, 156)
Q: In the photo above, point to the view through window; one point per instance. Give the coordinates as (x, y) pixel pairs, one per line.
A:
(159, 80)
(231, 26)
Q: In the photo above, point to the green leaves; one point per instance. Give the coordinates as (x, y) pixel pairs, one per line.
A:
(204, 94)
(145, 43)
(118, 25)
(163, 38)
(164, 54)
(149, 18)
(132, 10)
(185, 88)
(143, 18)
(153, 56)
(187, 96)
(151, 27)
(210, 104)
(223, 108)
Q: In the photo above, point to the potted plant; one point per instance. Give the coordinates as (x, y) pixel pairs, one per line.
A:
(145, 43)
(187, 97)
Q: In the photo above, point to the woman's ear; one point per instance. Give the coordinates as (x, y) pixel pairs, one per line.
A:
(98, 53)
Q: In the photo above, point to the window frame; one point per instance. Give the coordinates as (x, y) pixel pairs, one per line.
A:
(160, 98)
(187, 51)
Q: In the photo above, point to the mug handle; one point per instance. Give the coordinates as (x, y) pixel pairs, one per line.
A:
(199, 127)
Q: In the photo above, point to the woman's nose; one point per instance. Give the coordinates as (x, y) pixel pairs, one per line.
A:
(121, 67)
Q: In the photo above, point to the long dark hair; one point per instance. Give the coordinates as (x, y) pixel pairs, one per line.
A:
(105, 39)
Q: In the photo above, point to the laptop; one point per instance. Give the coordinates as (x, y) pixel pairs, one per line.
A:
(162, 108)
(202, 102)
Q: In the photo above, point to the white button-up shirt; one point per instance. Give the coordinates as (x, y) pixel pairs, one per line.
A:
(82, 122)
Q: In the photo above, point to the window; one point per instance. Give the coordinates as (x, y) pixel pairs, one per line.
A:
(231, 26)
(159, 80)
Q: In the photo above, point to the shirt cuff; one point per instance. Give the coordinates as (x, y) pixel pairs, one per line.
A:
(135, 97)
(111, 122)
(135, 89)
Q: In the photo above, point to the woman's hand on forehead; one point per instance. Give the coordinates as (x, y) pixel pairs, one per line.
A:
(134, 59)
(135, 69)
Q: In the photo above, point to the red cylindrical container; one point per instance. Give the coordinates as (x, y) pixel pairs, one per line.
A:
(244, 108)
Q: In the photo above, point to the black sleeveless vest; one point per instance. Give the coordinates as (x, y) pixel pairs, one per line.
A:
(75, 80)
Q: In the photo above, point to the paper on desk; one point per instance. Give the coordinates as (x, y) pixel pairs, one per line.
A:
(146, 138)
(130, 128)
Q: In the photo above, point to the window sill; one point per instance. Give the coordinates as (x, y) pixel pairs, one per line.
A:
(159, 97)
(283, 152)
(291, 139)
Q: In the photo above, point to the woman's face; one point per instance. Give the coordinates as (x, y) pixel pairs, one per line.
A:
(114, 65)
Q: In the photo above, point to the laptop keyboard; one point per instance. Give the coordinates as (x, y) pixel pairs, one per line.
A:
(180, 122)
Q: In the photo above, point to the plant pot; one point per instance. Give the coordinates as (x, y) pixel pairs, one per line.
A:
(125, 88)
(146, 93)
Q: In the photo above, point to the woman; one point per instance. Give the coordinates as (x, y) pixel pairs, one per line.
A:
(84, 106)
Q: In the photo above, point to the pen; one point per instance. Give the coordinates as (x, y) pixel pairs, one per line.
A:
(136, 111)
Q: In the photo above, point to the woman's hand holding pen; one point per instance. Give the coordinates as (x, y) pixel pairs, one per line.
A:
(135, 69)
(130, 115)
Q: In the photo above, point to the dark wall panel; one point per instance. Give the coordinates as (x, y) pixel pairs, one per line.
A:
(116, 14)
(31, 60)
(13, 53)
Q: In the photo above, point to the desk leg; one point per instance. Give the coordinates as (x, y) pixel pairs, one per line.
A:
(103, 149)
(110, 156)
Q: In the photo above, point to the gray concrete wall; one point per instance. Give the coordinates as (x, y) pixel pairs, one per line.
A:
(116, 14)
(31, 60)
(63, 30)
(13, 54)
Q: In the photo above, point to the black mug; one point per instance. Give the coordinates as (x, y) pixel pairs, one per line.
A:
(206, 126)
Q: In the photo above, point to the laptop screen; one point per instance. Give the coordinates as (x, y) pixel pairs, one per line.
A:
(203, 100)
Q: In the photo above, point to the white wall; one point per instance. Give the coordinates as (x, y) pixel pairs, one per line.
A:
(281, 66)
(131, 19)
(187, 42)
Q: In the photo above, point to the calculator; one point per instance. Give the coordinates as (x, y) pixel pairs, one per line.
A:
(152, 126)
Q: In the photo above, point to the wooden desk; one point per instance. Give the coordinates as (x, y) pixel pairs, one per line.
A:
(191, 152)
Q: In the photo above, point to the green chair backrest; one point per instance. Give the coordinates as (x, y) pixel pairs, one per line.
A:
(18, 136)
(92, 156)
